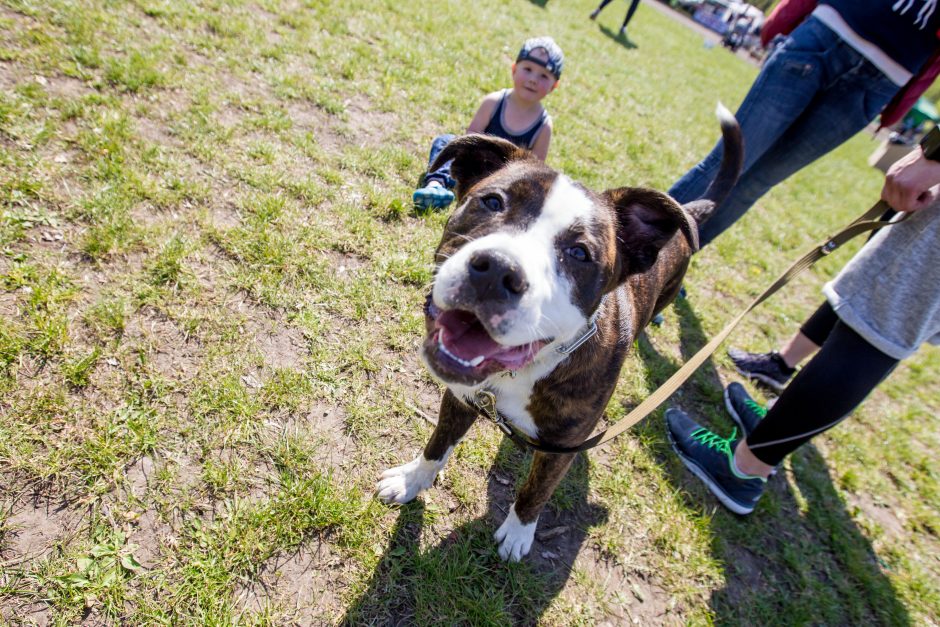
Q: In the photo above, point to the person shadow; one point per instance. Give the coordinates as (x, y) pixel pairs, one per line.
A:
(801, 538)
(462, 579)
(622, 39)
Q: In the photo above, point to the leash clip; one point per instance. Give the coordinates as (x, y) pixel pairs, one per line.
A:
(828, 247)
(486, 401)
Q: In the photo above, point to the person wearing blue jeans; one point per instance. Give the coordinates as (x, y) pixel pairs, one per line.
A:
(884, 304)
(824, 83)
(442, 174)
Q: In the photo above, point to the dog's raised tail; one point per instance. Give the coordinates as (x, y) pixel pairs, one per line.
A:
(732, 159)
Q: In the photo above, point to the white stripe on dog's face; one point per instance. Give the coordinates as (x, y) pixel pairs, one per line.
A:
(547, 309)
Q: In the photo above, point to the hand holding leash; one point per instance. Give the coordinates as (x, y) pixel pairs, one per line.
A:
(908, 183)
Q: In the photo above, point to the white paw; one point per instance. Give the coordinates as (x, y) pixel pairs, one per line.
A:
(402, 483)
(515, 537)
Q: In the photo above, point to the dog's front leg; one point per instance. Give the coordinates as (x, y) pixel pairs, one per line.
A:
(516, 533)
(402, 483)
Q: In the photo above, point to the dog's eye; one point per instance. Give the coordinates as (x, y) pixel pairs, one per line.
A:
(578, 253)
(492, 202)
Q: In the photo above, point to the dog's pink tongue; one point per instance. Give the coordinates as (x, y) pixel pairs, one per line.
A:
(465, 337)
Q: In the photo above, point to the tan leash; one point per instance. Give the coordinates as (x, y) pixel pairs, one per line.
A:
(485, 400)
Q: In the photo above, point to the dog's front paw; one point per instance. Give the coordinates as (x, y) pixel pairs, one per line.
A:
(515, 537)
(402, 483)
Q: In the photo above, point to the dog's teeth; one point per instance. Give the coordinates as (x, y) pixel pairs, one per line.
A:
(462, 362)
(477, 361)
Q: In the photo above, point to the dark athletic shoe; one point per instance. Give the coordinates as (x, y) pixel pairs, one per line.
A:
(767, 368)
(710, 457)
(745, 410)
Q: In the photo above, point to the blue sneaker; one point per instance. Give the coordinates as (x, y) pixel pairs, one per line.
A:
(432, 195)
(745, 410)
(710, 457)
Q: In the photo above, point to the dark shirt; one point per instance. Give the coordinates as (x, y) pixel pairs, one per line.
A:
(524, 139)
(908, 37)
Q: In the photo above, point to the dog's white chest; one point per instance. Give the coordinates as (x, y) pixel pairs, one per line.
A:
(513, 393)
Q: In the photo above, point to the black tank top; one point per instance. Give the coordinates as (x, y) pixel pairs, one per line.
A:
(524, 139)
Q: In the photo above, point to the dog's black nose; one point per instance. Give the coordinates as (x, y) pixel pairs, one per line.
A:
(496, 276)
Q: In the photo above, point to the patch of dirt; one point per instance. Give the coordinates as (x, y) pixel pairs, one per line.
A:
(745, 574)
(66, 87)
(632, 599)
(302, 585)
(145, 215)
(306, 116)
(346, 266)
(9, 78)
(367, 126)
(209, 269)
(37, 526)
(280, 346)
(427, 394)
(146, 530)
(137, 477)
(156, 132)
(889, 519)
(225, 215)
(9, 304)
(174, 356)
(323, 430)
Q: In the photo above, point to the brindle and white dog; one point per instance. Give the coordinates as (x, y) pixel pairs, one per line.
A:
(528, 261)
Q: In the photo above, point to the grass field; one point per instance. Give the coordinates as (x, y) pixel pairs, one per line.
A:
(211, 285)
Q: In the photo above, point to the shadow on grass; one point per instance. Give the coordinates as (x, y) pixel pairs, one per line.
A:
(462, 580)
(799, 558)
(539, 3)
(623, 40)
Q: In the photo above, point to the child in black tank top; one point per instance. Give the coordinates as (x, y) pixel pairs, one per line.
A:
(514, 114)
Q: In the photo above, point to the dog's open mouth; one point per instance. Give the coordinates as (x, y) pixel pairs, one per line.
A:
(459, 343)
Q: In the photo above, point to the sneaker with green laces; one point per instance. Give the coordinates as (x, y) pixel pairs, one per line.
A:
(745, 410)
(432, 195)
(710, 457)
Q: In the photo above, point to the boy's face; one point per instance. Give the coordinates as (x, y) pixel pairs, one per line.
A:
(532, 81)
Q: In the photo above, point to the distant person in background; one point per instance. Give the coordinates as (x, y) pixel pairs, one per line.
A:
(840, 63)
(626, 20)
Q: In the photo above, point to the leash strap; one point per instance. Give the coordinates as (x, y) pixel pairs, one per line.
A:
(868, 221)
(485, 402)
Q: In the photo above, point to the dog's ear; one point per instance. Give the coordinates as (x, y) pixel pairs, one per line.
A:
(646, 220)
(475, 157)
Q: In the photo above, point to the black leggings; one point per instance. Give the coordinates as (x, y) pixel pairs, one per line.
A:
(825, 391)
(818, 326)
(626, 20)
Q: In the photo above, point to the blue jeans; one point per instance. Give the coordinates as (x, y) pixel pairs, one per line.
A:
(814, 93)
(442, 174)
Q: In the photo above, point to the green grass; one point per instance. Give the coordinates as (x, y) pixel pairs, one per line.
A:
(211, 283)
